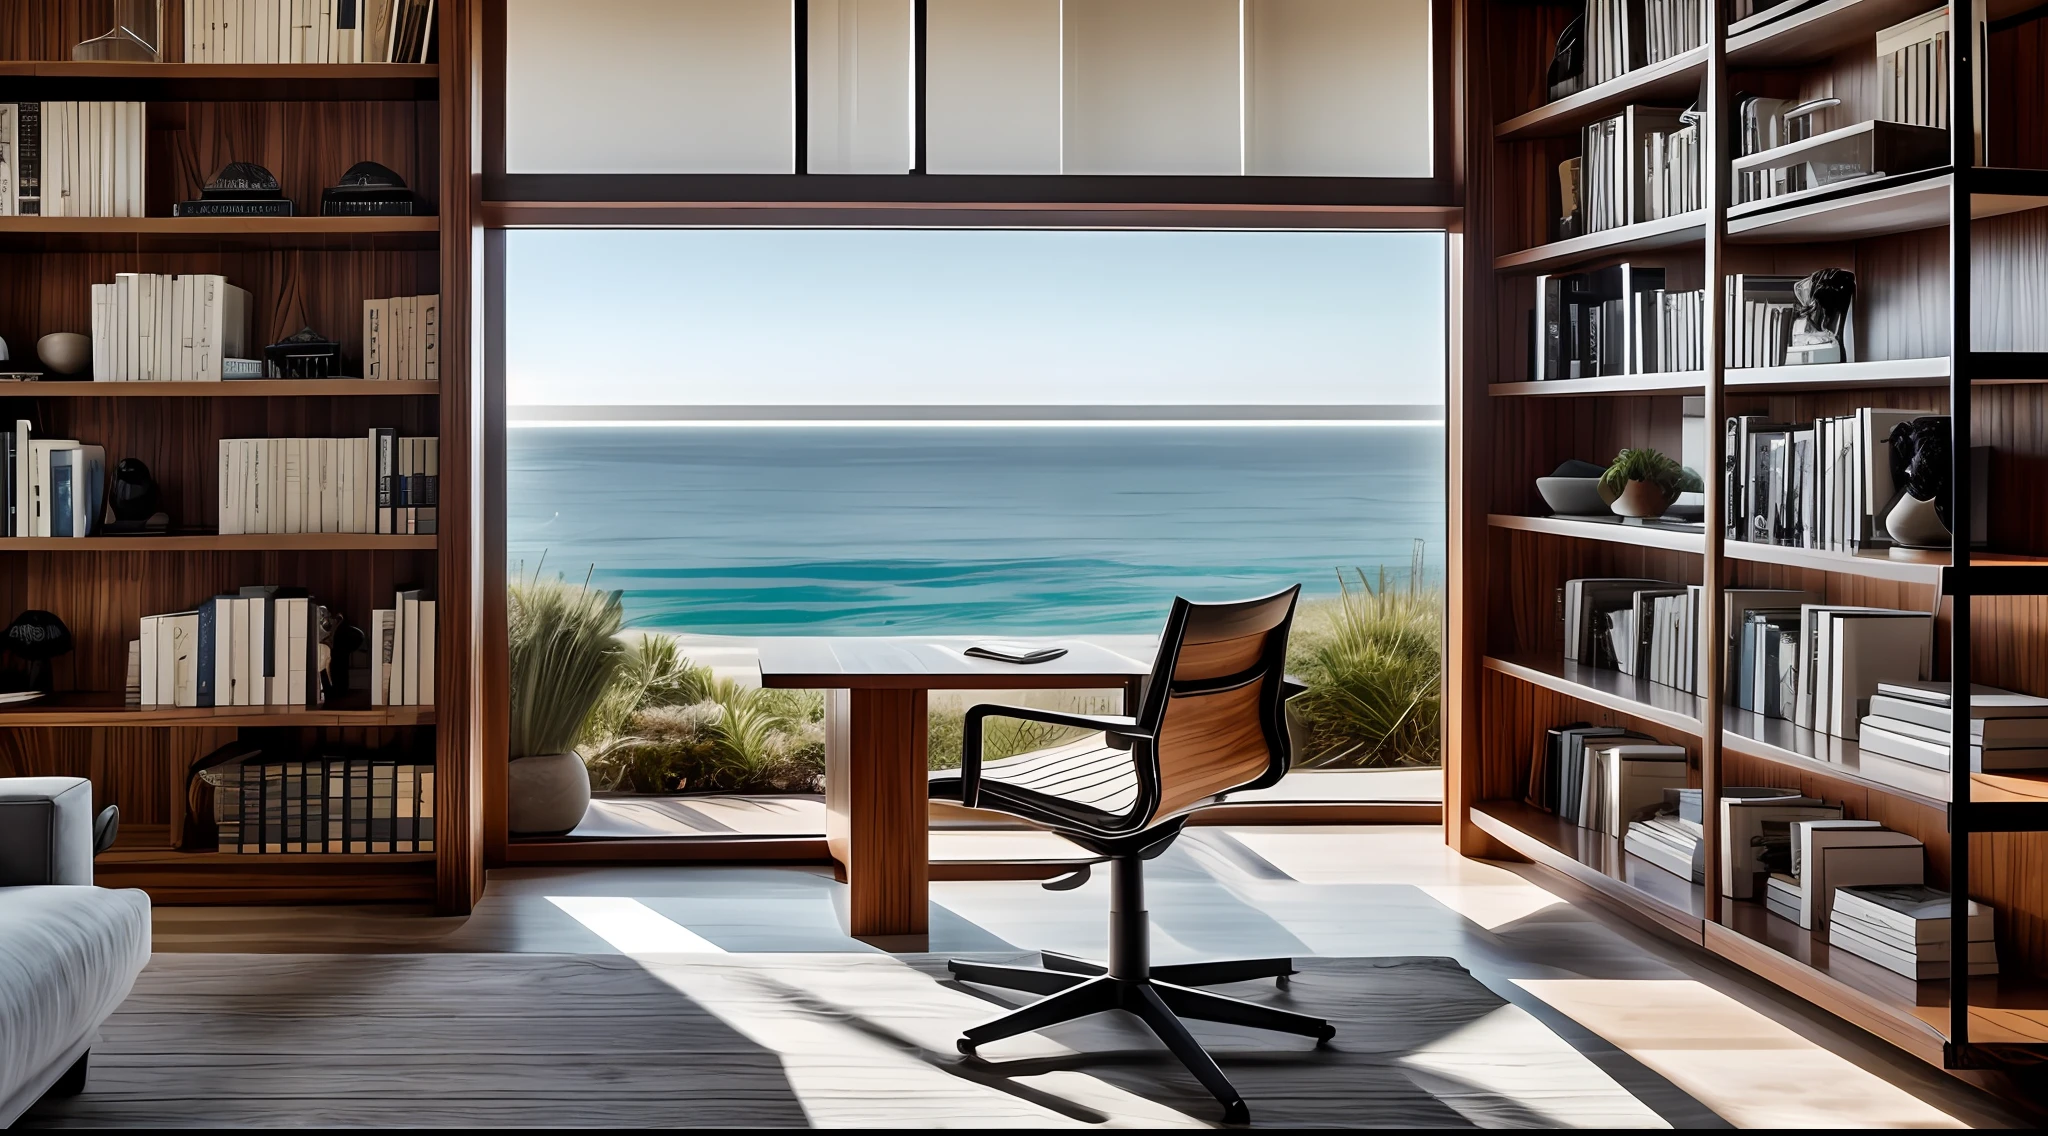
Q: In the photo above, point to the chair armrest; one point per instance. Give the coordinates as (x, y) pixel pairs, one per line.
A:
(46, 831)
(970, 742)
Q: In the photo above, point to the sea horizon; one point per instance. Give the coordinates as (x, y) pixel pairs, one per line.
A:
(751, 528)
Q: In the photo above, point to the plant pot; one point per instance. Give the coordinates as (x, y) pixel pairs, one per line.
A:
(547, 794)
(1643, 499)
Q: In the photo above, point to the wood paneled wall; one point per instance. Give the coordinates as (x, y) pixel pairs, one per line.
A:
(1524, 618)
(1509, 753)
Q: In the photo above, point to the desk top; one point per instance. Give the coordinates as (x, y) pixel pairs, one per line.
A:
(935, 663)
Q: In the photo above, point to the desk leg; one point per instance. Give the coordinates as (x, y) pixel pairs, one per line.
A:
(876, 820)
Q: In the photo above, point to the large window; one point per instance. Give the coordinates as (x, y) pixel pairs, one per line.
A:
(910, 432)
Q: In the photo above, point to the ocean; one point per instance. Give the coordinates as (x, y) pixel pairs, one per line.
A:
(951, 529)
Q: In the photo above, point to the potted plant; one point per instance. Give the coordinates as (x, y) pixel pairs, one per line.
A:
(565, 653)
(1645, 483)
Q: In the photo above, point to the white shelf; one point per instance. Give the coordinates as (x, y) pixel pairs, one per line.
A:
(1893, 206)
(1670, 232)
(1676, 78)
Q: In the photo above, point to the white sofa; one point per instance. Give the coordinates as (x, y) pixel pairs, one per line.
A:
(69, 951)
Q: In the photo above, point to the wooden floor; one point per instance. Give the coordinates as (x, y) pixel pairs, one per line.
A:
(1687, 1041)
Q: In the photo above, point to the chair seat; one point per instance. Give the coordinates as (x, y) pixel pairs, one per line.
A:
(1089, 772)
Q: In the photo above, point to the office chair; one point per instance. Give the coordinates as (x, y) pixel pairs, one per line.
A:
(1210, 723)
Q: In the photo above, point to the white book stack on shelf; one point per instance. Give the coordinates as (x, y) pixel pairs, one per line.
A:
(256, 648)
(1905, 928)
(1828, 854)
(308, 31)
(73, 159)
(402, 651)
(150, 327)
(402, 339)
(1910, 721)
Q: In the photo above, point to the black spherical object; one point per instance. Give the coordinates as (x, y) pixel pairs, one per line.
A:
(37, 637)
(136, 497)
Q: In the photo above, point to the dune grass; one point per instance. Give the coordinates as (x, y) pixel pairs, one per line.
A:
(1373, 662)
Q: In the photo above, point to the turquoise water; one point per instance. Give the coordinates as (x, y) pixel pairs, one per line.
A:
(751, 530)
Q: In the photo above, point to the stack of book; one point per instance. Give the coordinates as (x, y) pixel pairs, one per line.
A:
(402, 652)
(150, 327)
(1648, 628)
(1831, 854)
(72, 159)
(1672, 27)
(1825, 484)
(1912, 72)
(1598, 777)
(1613, 42)
(259, 647)
(1639, 165)
(334, 804)
(1672, 838)
(51, 486)
(1817, 665)
(1905, 928)
(1910, 721)
(1618, 320)
(1756, 836)
(402, 339)
(308, 31)
(379, 483)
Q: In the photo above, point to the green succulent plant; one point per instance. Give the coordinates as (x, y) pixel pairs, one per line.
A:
(1647, 465)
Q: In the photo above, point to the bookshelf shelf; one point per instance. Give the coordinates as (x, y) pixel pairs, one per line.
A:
(239, 388)
(1676, 382)
(214, 542)
(1876, 565)
(1875, 373)
(1891, 205)
(2005, 1010)
(1675, 78)
(106, 709)
(1597, 861)
(228, 861)
(1647, 236)
(198, 234)
(1811, 35)
(1666, 706)
(278, 82)
(1614, 531)
(228, 877)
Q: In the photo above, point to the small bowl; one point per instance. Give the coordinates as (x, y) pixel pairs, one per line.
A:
(1572, 496)
(65, 352)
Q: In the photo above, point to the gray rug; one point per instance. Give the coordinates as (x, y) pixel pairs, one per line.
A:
(706, 1040)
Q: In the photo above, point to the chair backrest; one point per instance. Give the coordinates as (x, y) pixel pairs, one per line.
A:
(1215, 699)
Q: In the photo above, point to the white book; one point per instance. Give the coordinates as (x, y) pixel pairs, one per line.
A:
(182, 629)
(39, 497)
(344, 485)
(102, 313)
(275, 448)
(430, 337)
(258, 518)
(257, 625)
(411, 607)
(380, 657)
(298, 615)
(1830, 854)
(143, 369)
(372, 327)
(156, 657)
(280, 652)
(1868, 648)
(235, 651)
(223, 510)
(22, 436)
(425, 636)
(294, 485)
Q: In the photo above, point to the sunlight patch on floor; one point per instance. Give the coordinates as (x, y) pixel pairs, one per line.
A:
(631, 926)
(1508, 1070)
(1492, 906)
(1753, 1071)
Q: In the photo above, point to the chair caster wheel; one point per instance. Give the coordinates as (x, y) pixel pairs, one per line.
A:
(965, 1047)
(1283, 982)
(1329, 1034)
(1236, 1113)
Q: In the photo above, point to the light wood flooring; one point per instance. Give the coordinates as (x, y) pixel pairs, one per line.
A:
(1694, 1042)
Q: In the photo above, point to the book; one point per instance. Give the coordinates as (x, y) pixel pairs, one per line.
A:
(1756, 837)
(1828, 854)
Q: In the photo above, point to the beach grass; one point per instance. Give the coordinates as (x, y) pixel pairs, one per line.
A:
(1372, 659)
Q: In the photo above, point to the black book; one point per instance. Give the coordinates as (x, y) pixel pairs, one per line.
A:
(261, 208)
(28, 159)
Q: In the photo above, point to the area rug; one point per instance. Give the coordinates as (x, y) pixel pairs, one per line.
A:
(825, 1040)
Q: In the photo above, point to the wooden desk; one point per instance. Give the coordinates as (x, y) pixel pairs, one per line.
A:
(876, 697)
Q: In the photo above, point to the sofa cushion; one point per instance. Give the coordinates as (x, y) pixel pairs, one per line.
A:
(68, 956)
(45, 831)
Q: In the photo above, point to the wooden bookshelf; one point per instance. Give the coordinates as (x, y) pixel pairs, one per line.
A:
(307, 125)
(1507, 680)
(214, 542)
(238, 388)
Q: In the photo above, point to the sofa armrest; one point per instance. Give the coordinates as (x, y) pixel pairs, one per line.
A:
(46, 831)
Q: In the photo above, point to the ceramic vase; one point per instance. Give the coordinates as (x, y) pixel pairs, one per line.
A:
(547, 794)
(1642, 499)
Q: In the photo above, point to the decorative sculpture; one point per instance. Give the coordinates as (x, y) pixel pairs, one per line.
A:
(305, 354)
(369, 189)
(37, 637)
(240, 189)
(136, 500)
(1821, 318)
(1921, 515)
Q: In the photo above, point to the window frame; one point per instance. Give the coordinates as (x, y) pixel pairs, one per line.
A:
(500, 201)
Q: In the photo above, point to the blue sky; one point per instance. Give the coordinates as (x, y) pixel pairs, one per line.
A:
(765, 317)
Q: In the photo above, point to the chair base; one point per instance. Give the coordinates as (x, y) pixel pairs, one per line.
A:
(1076, 988)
